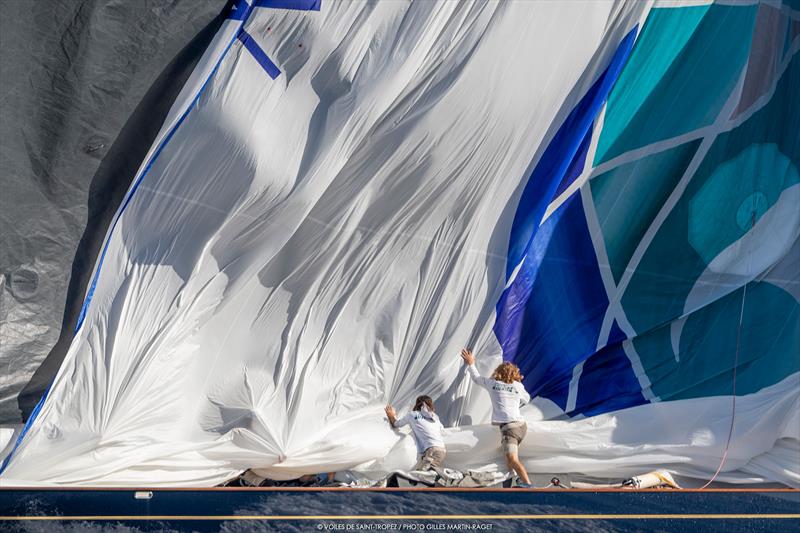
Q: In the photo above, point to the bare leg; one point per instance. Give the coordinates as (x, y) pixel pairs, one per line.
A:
(514, 464)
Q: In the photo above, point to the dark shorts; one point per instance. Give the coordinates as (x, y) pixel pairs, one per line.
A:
(511, 435)
(431, 459)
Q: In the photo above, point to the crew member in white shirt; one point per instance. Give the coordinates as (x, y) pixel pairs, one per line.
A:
(507, 394)
(427, 431)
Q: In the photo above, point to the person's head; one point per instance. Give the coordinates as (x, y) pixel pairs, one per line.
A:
(507, 373)
(423, 400)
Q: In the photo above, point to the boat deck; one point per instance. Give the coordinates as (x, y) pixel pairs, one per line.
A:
(428, 509)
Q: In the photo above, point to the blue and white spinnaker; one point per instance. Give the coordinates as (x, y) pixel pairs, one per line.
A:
(347, 193)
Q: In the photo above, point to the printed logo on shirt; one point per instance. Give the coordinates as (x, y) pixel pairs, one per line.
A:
(503, 387)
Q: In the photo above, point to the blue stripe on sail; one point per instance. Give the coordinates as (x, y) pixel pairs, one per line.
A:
(559, 156)
(25, 429)
(576, 166)
(259, 55)
(241, 9)
(303, 5)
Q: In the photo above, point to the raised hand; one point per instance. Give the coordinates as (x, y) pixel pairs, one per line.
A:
(467, 356)
(390, 412)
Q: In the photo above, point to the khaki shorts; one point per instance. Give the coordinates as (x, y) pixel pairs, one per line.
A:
(431, 459)
(511, 436)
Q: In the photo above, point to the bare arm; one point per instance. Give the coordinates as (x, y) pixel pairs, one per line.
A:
(391, 414)
(469, 359)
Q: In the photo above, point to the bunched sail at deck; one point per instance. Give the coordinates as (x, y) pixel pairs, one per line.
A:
(346, 193)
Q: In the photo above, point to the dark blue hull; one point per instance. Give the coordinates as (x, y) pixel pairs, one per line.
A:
(246, 509)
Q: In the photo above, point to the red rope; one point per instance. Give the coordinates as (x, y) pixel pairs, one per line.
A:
(735, 366)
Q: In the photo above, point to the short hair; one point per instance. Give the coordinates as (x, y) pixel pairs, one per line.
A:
(507, 373)
(423, 400)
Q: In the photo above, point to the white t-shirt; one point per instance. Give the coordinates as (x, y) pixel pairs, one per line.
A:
(506, 397)
(427, 430)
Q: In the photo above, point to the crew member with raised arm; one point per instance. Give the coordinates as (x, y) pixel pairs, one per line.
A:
(507, 394)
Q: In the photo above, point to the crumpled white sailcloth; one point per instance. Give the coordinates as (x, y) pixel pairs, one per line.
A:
(304, 250)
